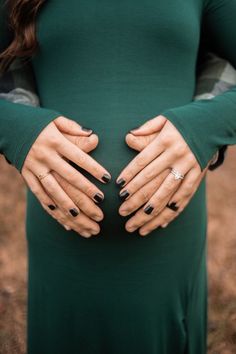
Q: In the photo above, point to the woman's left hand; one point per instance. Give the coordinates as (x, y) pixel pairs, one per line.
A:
(147, 178)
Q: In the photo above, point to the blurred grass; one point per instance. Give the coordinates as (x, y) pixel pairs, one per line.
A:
(221, 194)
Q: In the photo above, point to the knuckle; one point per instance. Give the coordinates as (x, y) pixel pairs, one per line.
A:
(144, 195)
(165, 139)
(39, 152)
(78, 140)
(73, 175)
(189, 187)
(80, 202)
(190, 158)
(89, 190)
(149, 174)
(54, 140)
(140, 162)
(179, 150)
(81, 158)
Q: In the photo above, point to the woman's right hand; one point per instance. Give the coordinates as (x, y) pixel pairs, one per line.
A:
(51, 152)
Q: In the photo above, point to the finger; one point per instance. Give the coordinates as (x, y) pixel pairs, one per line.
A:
(74, 177)
(163, 218)
(140, 161)
(84, 203)
(82, 225)
(189, 184)
(151, 126)
(38, 190)
(138, 220)
(70, 126)
(157, 202)
(85, 143)
(62, 200)
(47, 203)
(142, 195)
(167, 215)
(160, 198)
(82, 159)
(156, 167)
(139, 142)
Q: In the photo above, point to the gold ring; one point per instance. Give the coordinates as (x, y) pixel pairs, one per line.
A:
(42, 175)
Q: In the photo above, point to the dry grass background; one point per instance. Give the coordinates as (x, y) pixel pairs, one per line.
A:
(221, 189)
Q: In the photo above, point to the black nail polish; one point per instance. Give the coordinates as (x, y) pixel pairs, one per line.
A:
(86, 129)
(124, 194)
(52, 207)
(106, 177)
(148, 209)
(173, 206)
(74, 212)
(98, 197)
(120, 182)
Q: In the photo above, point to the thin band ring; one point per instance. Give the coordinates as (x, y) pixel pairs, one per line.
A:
(43, 175)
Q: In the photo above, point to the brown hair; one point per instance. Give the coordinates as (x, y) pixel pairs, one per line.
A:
(21, 16)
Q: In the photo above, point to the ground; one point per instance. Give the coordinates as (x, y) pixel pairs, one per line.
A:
(221, 194)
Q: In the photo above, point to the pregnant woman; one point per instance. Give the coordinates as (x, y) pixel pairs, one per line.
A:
(106, 273)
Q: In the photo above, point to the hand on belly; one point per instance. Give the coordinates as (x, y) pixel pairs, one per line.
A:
(147, 180)
(65, 193)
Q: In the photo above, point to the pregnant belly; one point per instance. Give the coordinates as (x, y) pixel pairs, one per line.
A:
(111, 113)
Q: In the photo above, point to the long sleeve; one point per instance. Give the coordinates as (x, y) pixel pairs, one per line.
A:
(19, 124)
(208, 125)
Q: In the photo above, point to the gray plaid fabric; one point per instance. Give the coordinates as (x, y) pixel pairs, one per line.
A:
(215, 76)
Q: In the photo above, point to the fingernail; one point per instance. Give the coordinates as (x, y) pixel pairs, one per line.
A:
(106, 177)
(98, 217)
(74, 212)
(124, 194)
(120, 182)
(148, 209)
(143, 233)
(164, 225)
(67, 227)
(52, 207)
(136, 128)
(98, 197)
(86, 129)
(131, 228)
(173, 206)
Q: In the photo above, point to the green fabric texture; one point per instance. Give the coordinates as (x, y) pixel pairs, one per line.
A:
(111, 66)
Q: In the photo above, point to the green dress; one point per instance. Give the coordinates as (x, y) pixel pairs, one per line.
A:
(112, 65)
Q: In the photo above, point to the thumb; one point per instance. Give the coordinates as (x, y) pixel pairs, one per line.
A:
(70, 126)
(139, 142)
(151, 126)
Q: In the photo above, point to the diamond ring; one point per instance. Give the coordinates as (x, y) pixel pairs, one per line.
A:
(177, 174)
